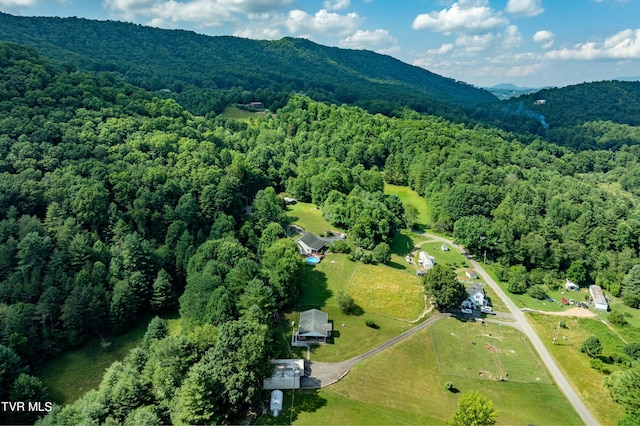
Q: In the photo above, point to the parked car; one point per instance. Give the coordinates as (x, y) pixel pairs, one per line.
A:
(571, 301)
(549, 299)
(564, 301)
(485, 309)
(578, 304)
(584, 305)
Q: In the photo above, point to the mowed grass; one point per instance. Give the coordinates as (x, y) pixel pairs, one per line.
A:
(77, 371)
(410, 197)
(238, 114)
(309, 217)
(404, 385)
(576, 366)
(387, 291)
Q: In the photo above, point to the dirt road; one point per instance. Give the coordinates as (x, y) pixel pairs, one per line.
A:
(528, 330)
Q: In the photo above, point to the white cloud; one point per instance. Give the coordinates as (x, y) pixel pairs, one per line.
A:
(202, 12)
(328, 23)
(378, 40)
(463, 17)
(18, 3)
(258, 33)
(336, 4)
(524, 7)
(511, 38)
(545, 38)
(475, 43)
(622, 45)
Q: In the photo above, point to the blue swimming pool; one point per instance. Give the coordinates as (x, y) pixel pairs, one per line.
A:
(312, 260)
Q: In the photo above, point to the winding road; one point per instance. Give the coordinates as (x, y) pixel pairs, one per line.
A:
(528, 330)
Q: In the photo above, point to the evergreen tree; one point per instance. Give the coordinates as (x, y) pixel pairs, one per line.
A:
(164, 295)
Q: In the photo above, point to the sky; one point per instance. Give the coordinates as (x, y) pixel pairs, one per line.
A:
(530, 43)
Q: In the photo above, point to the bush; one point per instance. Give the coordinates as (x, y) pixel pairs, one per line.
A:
(617, 318)
(340, 246)
(537, 292)
(372, 324)
(633, 350)
(448, 386)
(598, 365)
(382, 253)
(345, 301)
(591, 346)
(563, 324)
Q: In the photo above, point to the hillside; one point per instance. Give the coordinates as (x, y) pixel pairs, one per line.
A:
(154, 58)
(598, 115)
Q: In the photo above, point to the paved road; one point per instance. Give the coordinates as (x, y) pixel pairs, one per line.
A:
(321, 374)
(528, 330)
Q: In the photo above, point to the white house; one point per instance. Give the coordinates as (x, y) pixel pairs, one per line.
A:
(426, 261)
(309, 243)
(477, 297)
(571, 286)
(599, 301)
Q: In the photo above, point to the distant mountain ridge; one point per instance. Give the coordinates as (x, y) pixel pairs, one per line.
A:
(155, 58)
(507, 90)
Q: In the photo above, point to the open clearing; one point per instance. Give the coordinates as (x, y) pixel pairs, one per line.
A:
(386, 291)
(309, 217)
(405, 385)
(238, 114)
(411, 197)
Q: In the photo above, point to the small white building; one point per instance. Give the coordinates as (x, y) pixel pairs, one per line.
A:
(275, 404)
(570, 285)
(471, 274)
(599, 301)
(444, 247)
(426, 261)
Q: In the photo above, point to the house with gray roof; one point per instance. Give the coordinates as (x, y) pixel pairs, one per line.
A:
(314, 327)
(310, 244)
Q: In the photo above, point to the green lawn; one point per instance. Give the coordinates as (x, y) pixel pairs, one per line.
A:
(238, 114)
(410, 197)
(76, 371)
(405, 384)
(575, 365)
(387, 291)
(309, 217)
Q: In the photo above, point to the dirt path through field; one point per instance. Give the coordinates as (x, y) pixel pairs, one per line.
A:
(572, 312)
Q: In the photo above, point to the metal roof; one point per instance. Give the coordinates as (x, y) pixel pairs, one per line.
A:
(312, 241)
(314, 323)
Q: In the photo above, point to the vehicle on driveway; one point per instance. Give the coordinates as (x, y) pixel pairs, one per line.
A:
(549, 299)
(466, 311)
(571, 301)
(564, 301)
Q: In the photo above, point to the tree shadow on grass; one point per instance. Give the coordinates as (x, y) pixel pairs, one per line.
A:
(304, 401)
(314, 291)
(401, 244)
(398, 266)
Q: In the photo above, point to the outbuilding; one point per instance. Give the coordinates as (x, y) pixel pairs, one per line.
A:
(599, 301)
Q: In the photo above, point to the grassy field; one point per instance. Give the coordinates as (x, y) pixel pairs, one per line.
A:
(238, 114)
(309, 217)
(405, 383)
(410, 197)
(576, 365)
(387, 291)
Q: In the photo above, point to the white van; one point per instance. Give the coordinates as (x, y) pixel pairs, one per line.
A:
(485, 309)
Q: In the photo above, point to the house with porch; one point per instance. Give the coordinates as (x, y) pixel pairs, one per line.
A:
(477, 297)
(314, 328)
(310, 244)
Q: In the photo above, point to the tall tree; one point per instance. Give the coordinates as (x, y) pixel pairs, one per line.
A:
(473, 410)
(631, 287)
(442, 286)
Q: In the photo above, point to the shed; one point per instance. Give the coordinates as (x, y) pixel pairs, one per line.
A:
(314, 328)
(599, 301)
(286, 374)
(309, 243)
(471, 274)
(570, 285)
(275, 404)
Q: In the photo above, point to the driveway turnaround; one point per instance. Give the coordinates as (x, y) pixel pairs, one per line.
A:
(528, 330)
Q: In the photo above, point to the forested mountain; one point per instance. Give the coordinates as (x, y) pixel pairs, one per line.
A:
(116, 201)
(154, 59)
(599, 115)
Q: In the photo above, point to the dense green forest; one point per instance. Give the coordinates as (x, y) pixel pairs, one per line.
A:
(154, 59)
(116, 201)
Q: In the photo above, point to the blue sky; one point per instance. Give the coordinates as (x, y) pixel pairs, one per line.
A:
(482, 42)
